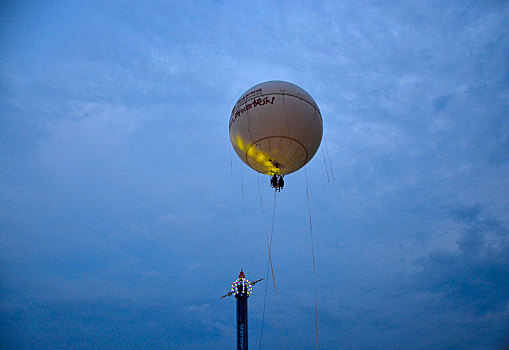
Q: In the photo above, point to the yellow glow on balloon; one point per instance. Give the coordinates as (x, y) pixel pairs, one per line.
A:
(258, 156)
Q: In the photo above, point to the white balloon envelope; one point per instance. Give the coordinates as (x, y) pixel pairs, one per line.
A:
(276, 128)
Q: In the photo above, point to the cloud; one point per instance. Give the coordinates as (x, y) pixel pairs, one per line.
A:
(209, 320)
(440, 103)
(119, 216)
(473, 277)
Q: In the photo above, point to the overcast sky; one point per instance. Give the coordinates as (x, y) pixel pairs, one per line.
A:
(125, 215)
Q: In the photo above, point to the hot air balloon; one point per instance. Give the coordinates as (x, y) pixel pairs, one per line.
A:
(276, 128)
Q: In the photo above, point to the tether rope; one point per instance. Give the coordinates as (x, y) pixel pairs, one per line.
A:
(231, 163)
(313, 253)
(328, 158)
(270, 255)
(325, 164)
(241, 181)
(267, 274)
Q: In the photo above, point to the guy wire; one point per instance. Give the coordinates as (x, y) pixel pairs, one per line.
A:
(313, 254)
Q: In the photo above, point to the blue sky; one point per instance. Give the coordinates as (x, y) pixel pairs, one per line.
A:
(125, 214)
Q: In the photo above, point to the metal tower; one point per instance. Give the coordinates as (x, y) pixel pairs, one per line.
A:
(241, 289)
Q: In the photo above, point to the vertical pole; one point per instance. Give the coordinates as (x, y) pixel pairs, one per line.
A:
(242, 321)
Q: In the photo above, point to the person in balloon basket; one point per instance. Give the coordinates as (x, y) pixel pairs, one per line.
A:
(280, 183)
(277, 182)
(273, 181)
